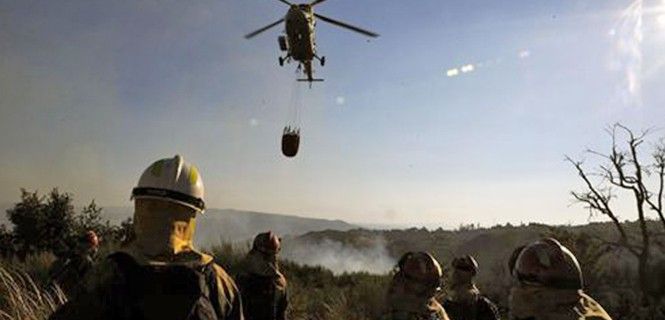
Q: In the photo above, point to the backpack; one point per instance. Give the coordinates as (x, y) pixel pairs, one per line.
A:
(480, 308)
(164, 292)
(260, 296)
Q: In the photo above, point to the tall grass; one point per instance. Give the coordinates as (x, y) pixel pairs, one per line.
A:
(21, 298)
(315, 293)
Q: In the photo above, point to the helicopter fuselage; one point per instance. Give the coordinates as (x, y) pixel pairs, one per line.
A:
(300, 25)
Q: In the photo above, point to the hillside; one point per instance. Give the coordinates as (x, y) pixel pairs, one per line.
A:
(236, 225)
(486, 243)
(377, 251)
(491, 246)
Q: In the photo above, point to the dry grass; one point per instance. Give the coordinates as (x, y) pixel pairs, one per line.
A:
(23, 299)
(316, 293)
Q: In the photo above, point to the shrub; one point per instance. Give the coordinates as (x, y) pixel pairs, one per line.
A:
(50, 224)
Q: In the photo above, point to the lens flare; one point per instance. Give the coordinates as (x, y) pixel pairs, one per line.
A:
(661, 21)
(627, 53)
(467, 68)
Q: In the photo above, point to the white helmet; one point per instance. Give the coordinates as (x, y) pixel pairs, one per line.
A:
(172, 179)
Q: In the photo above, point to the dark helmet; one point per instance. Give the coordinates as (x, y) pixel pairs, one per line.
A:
(267, 242)
(90, 239)
(513, 258)
(421, 267)
(466, 263)
(548, 263)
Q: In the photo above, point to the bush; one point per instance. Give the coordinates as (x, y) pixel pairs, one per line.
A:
(41, 223)
(50, 224)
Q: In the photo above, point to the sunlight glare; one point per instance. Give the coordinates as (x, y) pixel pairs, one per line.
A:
(661, 21)
(452, 72)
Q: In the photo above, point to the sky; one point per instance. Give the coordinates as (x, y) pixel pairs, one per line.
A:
(460, 112)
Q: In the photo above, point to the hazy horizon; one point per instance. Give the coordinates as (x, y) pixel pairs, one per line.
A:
(126, 211)
(459, 113)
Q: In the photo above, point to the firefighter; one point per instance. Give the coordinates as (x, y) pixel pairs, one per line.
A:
(160, 275)
(412, 291)
(67, 272)
(548, 285)
(261, 283)
(464, 301)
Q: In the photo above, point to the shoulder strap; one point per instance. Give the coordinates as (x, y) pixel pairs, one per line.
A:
(123, 260)
(128, 268)
(475, 306)
(125, 288)
(211, 291)
(488, 308)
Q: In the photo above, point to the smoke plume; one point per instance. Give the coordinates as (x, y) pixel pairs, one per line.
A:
(340, 258)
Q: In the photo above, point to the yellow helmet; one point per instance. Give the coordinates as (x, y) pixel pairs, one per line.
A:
(174, 180)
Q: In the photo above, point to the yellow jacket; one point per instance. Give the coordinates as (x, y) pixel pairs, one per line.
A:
(163, 250)
(100, 298)
(540, 303)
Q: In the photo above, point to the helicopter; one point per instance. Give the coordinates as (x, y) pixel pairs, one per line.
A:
(298, 42)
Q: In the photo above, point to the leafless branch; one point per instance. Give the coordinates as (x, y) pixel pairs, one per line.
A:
(659, 164)
(595, 200)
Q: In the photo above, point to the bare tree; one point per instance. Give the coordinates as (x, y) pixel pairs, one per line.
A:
(623, 170)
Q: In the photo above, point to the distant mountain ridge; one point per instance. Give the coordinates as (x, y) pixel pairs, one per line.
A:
(232, 225)
(236, 225)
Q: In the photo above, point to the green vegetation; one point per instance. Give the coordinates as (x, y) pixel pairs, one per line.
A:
(317, 292)
(50, 224)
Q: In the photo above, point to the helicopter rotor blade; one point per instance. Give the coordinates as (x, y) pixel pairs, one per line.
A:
(287, 3)
(347, 26)
(315, 2)
(251, 35)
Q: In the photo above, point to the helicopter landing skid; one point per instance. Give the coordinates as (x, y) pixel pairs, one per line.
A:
(310, 81)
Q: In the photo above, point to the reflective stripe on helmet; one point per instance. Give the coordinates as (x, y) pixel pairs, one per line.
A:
(168, 194)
